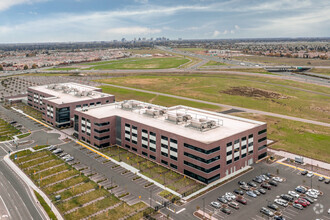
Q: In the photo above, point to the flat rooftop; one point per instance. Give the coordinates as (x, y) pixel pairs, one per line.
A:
(70, 92)
(197, 124)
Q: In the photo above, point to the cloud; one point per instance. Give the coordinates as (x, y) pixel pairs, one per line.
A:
(237, 27)
(142, 1)
(132, 31)
(216, 33)
(6, 4)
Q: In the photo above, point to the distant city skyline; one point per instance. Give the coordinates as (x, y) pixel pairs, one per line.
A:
(25, 21)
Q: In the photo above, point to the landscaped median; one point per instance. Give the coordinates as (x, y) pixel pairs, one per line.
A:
(74, 195)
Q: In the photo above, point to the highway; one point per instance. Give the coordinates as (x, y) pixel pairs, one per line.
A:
(16, 200)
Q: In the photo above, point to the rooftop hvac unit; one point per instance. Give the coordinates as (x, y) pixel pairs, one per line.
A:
(211, 123)
(126, 105)
(187, 118)
(152, 112)
(198, 124)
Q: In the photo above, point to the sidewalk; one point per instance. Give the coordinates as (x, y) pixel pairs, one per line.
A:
(29, 182)
(307, 160)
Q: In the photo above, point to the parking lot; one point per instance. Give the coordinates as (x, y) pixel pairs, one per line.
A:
(251, 210)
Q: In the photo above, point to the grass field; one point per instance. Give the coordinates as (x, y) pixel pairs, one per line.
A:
(283, 61)
(7, 130)
(46, 207)
(191, 49)
(259, 93)
(324, 71)
(297, 137)
(248, 70)
(163, 175)
(24, 135)
(214, 63)
(142, 63)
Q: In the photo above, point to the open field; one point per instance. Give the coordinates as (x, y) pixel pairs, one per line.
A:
(248, 70)
(324, 71)
(214, 63)
(191, 49)
(283, 61)
(142, 63)
(80, 197)
(7, 130)
(124, 94)
(163, 175)
(296, 137)
(146, 51)
(259, 93)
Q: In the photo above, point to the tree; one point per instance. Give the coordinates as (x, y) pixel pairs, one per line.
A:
(34, 66)
(26, 67)
(1, 67)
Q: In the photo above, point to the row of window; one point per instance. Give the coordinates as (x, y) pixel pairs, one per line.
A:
(200, 149)
(202, 168)
(202, 159)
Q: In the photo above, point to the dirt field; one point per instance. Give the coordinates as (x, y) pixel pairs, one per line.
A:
(254, 92)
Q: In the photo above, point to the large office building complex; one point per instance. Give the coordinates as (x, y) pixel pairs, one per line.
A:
(201, 144)
(57, 101)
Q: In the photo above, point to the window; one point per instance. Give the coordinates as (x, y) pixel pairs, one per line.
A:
(164, 146)
(144, 131)
(202, 168)
(152, 157)
(78, 106)
(127, 125)
(229, 161)
(207, 161)
(236, 141)
(101, 131)
(244, 146)
(164, 154)
(173, 141)
(144, 146)
(101, 124)
(262, 139)
(250, 144)
(134, 149)
(134, 142)
(173, 166)
(229, 153)
(134, 127)
(262, 131)
(250, 136)
(164, 162)
(243, 138)
(107, 101)
(152, 149)
(164, 138)
(229, 144)
(127, 146)
(262, 147)
(200, 149)
(243, 155)
(152, 141)
(262, 155)
(144, 153)
(85, 105)
(102, 138)
(173, 149)
(91, 103)
(173, 158)
(236, 158)
(127, 139)
(127, 132)
(152, 133)
(144, 138)
(202, 179)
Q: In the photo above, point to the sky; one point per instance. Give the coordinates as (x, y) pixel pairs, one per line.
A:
(25, 21)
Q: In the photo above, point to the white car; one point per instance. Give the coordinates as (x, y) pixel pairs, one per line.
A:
(230, 195)
(293, 194)
(315, 191)
(281, 202)
(310, 194)
(69, 159)
(216, 204)
(310, 174)
(277, 179)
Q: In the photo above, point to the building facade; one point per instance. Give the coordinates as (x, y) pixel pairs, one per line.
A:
(58, 101)
(201, 144)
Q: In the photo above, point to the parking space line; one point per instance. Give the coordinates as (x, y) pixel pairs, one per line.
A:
(260, 217)
(291, 210)
(286, 216)
(286, 211)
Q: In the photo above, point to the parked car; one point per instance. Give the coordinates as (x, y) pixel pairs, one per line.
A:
(269, 175)
(266, 186)
(257, 180)
(310, 194)
(266, 212)
(273, 183)
(276, 217)
(300, 189)
(226, 211)
(66, 156)
(222, 200)
(256, 192)
(13, 122)
(244, 187)
(239, 192)
(311, 201)
(287, 197)
(273, 206)
(241, 183)
(278, 179)
(310, 174)
(233, 205)
(265, 176)
(230, 196)
(304, 172)
(52, 147)
(241, 199)
(63, 155)
(297, 206)
(321, 178)
(216, 204)
(261, 177)
(69, 159)
(281, 202)
(300, 202)
(262, 191)
(58, 151)
(315, 191)
(293, 194)
(251, 193)
(252, 184)
(327, 181)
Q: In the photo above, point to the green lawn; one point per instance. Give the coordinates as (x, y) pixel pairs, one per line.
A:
(268, 94)
(46, 207)
(63, 68)
(120, 211)
(141, 63)
(325, 71)
(40, 147)
(7, 130)
(24, 135)
(214, 63)
(29, 110)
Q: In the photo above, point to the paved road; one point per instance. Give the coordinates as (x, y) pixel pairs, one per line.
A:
(228, 106)
(15, 198)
